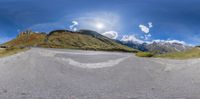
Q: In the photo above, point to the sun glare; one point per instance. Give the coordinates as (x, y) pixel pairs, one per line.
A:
(100, 25)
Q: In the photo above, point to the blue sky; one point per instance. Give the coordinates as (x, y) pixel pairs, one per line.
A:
(170, 19)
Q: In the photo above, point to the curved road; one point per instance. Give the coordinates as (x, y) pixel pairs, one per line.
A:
(74, 74)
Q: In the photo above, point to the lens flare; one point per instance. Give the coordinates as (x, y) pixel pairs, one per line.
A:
(99, 25)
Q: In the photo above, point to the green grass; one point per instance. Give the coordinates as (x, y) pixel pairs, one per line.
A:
(85, 42)
(188, 54)
(192, 53)
(144, 54)
(34, 39)
(11, 51)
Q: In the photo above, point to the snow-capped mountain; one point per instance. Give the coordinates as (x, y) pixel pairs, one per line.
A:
(158, 46)
(167, 47)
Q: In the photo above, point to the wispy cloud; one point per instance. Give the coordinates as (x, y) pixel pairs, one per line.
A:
(169, 41)
(111, 34)
(146, 30)
(91, 20)
(74, 25)
(131, 38)
(134, 39)
(150, 24)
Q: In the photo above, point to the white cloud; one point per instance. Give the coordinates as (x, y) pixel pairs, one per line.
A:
(131, 38)
(147, 36)
(134, 39)
(150, 24)
(74, 26)
(169, 41)
(111, 34)
(144, 28)
(75, 23)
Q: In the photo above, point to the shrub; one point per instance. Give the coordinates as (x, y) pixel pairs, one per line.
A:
(144, 54)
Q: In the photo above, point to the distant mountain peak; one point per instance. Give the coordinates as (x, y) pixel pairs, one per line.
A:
(158, 46)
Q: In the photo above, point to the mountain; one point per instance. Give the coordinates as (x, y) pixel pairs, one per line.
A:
(167, 47)
(157, 47)
(83, 39)
(135, 45)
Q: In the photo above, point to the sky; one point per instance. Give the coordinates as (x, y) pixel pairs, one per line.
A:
(137, 20)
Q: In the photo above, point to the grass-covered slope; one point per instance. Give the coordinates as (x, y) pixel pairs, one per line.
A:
(10, 51)
(84, 39)
(192, 53)
(29, 39)
(144, 54)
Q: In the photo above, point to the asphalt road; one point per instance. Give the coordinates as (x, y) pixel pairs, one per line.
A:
(74, 74)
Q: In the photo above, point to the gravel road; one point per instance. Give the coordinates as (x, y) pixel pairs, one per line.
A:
(75, 74)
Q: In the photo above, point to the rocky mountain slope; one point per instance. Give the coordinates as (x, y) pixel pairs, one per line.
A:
(159, 47)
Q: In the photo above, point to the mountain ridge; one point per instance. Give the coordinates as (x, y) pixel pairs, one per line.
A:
(83, 39)
(158, 47)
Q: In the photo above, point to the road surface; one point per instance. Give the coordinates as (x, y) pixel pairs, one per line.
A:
(74, 74)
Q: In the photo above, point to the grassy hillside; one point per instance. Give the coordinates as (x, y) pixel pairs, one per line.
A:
(10, 51)
(192, 53)
(85, 39)
(32, 39)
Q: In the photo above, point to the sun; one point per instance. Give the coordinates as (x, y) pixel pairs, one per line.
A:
(100, 25)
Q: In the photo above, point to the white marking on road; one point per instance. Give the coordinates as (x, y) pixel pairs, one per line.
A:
(108, 63)
(53, 52)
